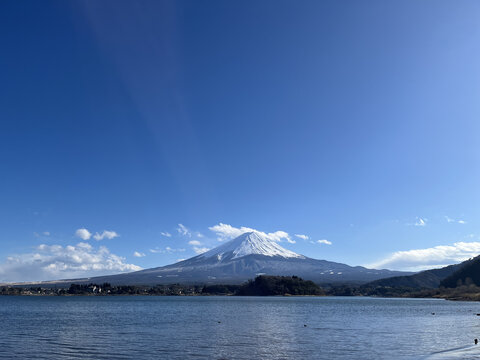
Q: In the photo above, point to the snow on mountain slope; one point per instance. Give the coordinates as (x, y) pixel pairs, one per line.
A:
(251, 243)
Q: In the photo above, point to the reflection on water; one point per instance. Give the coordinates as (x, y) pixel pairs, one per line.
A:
(236, 328)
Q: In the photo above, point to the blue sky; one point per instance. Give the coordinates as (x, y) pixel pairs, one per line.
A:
(346, 121)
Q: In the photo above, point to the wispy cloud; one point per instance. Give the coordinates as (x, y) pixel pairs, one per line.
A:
(165, 250)
(420, 222)
(303, 237)
(226, 232)
(105, 234)
(324, 241)
(200, 250)
(51, 262)
(421, 259)
(157, 251)
(83, 234)
(138, 254)
(450, 220)
(194, 242)
(183, 230)
(44, 233)
(167, 234)
(170, 250)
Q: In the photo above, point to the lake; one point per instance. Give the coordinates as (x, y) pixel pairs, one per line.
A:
(142, 327)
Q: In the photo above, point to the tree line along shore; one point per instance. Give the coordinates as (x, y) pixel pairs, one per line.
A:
(260, 286)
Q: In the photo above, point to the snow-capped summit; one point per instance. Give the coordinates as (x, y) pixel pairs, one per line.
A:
(250, 243)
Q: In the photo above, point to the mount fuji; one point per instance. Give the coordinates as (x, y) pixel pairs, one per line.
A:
(240, 259)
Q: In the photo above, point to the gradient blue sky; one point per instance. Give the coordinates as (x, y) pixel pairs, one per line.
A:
(355, 122)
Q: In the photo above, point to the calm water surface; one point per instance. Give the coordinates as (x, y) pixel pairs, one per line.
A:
(236, 328)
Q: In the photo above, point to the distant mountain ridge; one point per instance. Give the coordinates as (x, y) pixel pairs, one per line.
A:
(424, 279)
(239, 260)
(468, 272)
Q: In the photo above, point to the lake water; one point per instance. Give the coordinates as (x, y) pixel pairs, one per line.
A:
(137, 327)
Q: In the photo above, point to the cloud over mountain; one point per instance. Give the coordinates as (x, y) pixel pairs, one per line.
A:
(227, 232)
(421, 259)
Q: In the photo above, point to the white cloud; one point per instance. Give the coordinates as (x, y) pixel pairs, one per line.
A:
(420, 222)
(46, 233)
(138, 254)
(195, 242)
(83, 234)
(303, 237)
(450, 220)
(324, 241)
(200, 235)
(167, 234)
(226, 232)
(53, 262)
(421, 259)
(182, 230)
(279, 235)
(201, 250)
(105, 234)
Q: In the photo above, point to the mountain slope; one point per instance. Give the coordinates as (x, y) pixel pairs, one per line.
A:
(240, 259)
(425, 279)
(465, 273)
